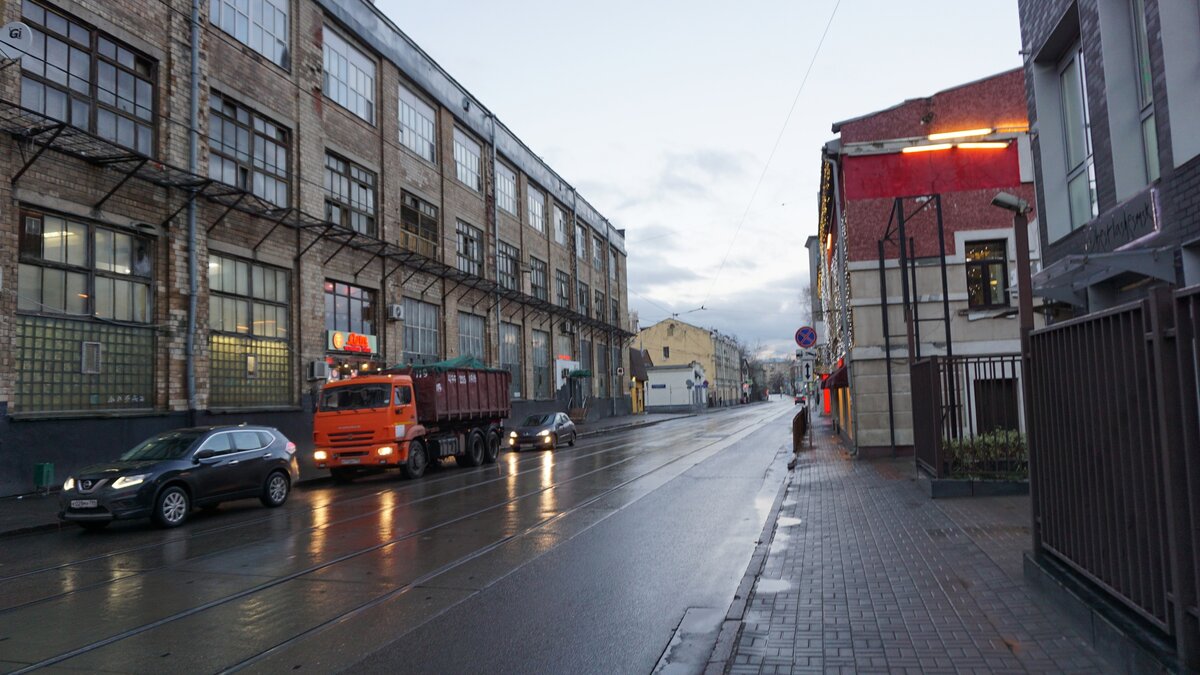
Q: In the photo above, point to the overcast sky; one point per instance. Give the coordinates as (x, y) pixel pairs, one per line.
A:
(663, 114)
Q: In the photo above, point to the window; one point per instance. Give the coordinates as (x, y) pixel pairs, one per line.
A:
(75, 268)
(987, 274)
(349, 308)
(419, 218)
(1077, 133)
(562, 285)
(509, 262)
(598, 253)
(506, 188)
(470, 335)
(420, 332)
(585, 363)
(564, 345)
(616, 312)
(666, 352)
(580, 242)
(470, 248)
(466, 160)
(247, 298)
(543, 387)
(537, 278)
(537, 209)
(600, 305)
(584, 302)
(1145, 90)
(602, 371)
(560, 226)
(349, 76)
(75, 74)
(510, 355)
(418, 132)
(351, 194)
(261, 25)
(247, 150)
(612, 264)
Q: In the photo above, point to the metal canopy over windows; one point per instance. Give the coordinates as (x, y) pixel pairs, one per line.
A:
(261, 25)
(75, 74)
(349, 76)
(41, 133)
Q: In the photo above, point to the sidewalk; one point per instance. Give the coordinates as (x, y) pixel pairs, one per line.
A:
(866, 573)
(30, 513)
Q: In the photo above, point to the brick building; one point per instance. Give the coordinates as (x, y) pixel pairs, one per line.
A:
(934, 163)
(346, 205)
(1112, 95)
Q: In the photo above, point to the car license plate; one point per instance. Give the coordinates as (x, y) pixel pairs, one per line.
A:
(83, 503)
(350, 460)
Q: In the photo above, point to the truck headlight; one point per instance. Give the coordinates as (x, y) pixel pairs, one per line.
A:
(129, 481)
(385, 451)
(320, 455)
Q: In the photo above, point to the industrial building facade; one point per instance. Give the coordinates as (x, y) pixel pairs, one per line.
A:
(344, 206)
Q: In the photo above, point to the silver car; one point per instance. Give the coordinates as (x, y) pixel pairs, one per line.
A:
(543, 430)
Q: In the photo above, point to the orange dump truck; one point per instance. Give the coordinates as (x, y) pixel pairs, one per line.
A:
(408, 418)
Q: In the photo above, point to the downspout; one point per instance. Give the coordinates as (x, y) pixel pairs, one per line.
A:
(193, 162)
(573, 290)
(844, 318)
(612, 367)
(496, 250)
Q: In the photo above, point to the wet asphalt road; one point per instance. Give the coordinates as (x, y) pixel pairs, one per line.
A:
(582, 560)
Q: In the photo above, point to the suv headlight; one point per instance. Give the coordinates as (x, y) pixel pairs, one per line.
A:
(69, 485)
(129, 481)
(544, 432)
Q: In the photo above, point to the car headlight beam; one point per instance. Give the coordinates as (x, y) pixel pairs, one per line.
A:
(70, 484)
(544, 432)
(129, 481)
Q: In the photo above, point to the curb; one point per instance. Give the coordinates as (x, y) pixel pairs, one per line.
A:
(634, 425)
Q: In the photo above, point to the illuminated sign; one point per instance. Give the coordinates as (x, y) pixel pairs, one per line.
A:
(345, 341)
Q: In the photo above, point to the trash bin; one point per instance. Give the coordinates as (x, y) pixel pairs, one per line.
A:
(43, 476)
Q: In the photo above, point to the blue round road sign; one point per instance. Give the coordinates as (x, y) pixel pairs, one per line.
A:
(806, 336)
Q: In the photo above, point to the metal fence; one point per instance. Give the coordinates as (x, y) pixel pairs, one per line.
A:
(968, 421)
(1115, 453)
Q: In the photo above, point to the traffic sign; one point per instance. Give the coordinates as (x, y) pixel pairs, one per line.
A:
(806, 336)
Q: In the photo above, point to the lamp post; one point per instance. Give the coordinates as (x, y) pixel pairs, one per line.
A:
(1020, 210)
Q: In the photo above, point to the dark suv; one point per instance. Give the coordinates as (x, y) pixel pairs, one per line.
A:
(167, 475)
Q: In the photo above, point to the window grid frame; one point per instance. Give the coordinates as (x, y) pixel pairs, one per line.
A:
(537, 209)
(257, 127)
(217, 9)
(365, 300)
(353, 90)
(356, 179)
(413, 111)
(508, 261)
(538, 278)
(467, 160)
(421, 330)
(506, 189)
(984, 265)
(470, 248)
(252, 298)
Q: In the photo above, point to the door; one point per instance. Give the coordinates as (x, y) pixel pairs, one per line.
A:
(217, 476)
(251, 461)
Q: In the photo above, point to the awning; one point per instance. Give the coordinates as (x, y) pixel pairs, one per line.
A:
(1067, 280)
(838, 379)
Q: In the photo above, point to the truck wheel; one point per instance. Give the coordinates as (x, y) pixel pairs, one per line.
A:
(473, 456)
(342, 475)
(418, 459)
(492, 451)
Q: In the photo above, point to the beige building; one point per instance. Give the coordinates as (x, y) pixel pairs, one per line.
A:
(674, 342)
(326, 200)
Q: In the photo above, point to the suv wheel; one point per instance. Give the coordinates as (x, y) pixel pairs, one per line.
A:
(275, 490)
(172, 507)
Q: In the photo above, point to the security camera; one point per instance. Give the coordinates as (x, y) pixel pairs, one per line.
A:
(1010, 202)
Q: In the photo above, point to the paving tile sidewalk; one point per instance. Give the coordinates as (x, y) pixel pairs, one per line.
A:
(865, 573)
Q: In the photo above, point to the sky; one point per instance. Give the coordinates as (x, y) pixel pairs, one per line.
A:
(691, 125)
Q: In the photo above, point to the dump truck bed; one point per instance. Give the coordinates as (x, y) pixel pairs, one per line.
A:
(461, 394)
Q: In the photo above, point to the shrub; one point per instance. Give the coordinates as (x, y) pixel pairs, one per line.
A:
(1001, 454)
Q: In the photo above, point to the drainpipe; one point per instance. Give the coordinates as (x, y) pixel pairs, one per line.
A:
(612, 367)
(496, 240)
(842, 290)
(193, 162)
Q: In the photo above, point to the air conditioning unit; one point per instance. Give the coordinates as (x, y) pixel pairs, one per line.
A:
(567, 327)
(318, 370)
(395, 312)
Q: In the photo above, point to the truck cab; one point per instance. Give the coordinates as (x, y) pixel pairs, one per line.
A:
(364, 424)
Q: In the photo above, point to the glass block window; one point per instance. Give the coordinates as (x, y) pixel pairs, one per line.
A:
(470, 335)
(537, 209)
(584, 301)
(510, 355)
(509, 263)
(537, 278)
(349, 308)
(349, 76)
(560, 226)
(350, 194)
(419, 221)
(247, 150)
(543, 382)
(261, 25)
(79, 75)
(82, 269)
(562, 288)
(466, 160)
(418, 131)
(249, 372)
(470, 248)
(69, 365)
(247, 298)
(420, 332)
(506, 188)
